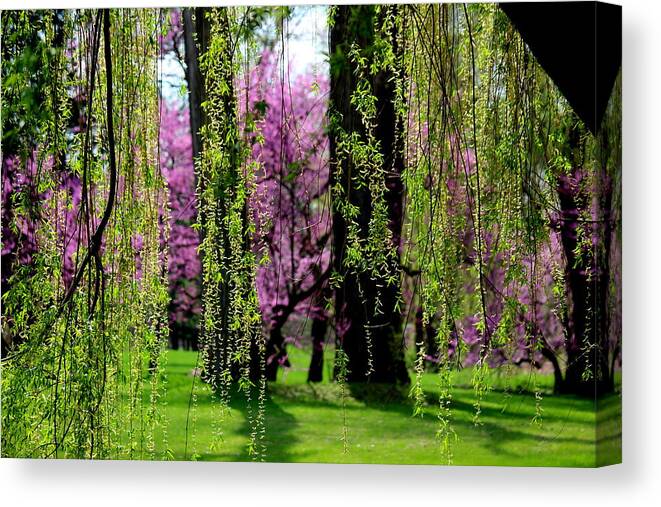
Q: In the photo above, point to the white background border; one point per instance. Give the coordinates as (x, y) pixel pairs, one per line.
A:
(636, 482)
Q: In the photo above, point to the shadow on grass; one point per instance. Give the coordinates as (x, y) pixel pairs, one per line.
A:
(280, 430)
(303, 424)
(494, 436)
(394, 398)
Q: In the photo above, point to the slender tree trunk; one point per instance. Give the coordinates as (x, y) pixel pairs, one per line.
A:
(276, 352)
(356, 299)
(316, 370)
(557, 371)
(195, 28)
(427, 335)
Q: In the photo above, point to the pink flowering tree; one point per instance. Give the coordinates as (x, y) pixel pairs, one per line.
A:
(183, 262)
(519, 318)
(290, 202)
(292, 198)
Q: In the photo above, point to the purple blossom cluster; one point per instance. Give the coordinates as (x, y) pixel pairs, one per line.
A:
(292, 187)
(176, 158)
(59, 204)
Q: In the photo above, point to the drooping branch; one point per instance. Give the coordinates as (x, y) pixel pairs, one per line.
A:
(94, 249)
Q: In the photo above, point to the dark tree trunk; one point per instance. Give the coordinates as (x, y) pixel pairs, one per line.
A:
(220, 83)
(587, 278)
(356, 298)
(276, 349)
(318, 332)
(195, 28)
(426, 335)
(558, 381)
(196, 42)
(276, 352)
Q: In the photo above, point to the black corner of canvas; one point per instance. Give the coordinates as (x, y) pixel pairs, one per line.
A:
(583, 58)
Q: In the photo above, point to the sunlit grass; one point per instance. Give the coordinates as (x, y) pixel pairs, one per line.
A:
(304, 422)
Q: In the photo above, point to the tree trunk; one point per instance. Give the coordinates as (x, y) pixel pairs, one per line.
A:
(356, 298)
(276, 352)
(318, 332)
(587, 278)
(195, 28)
(218, 83)
(426, 335)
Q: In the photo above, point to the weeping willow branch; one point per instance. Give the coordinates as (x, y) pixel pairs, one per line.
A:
(73, 386)
(232, 342)
(93, 252)
(478, 199)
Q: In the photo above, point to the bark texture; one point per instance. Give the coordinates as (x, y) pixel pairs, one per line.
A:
(356, 298)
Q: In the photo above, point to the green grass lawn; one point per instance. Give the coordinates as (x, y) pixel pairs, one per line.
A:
(304, 423)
